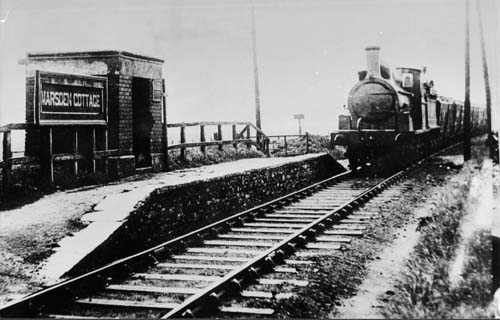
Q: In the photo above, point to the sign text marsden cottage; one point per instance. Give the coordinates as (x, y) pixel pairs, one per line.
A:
(70, 99)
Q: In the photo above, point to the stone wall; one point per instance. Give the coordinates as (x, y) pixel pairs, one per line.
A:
(175, 210)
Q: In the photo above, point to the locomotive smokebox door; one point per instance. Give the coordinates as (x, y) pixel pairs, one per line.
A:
(373, 100)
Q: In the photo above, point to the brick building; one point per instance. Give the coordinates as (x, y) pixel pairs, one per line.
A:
(133, 130)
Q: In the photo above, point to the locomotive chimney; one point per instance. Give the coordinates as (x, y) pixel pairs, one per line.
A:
(373, 62)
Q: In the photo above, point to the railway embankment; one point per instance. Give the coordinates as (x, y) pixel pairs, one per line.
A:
(173, 210)
(439, 263)
(336, 278)
(42, 240)
(449, 274)
(373, 276)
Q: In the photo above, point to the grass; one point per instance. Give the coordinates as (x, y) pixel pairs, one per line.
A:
(424, 289)
(474, 291)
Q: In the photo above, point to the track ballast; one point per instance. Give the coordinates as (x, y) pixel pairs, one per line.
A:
(195, 274)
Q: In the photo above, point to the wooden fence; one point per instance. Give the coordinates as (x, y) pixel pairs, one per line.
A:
(47, 160)
(260, 140)
(7, 159)
(241, 133)
(276, 140)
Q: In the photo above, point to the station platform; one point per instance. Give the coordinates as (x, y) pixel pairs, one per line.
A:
(104, 209)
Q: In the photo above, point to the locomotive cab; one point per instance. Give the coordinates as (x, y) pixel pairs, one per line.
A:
(423, 113)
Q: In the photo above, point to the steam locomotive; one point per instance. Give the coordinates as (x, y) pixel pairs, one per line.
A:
(395, 118)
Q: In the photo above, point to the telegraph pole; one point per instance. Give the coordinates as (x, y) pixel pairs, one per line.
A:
(467, 123)
(256, 76)
(486, 79)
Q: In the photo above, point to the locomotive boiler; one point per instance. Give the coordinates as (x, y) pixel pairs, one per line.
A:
(396, 117)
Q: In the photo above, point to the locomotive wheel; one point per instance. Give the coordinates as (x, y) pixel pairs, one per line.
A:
(399, 156)
(373, 161)
(359, 157)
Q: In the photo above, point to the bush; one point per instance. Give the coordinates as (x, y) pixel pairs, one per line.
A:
(26, 187)
(297, 146)
(196, 158)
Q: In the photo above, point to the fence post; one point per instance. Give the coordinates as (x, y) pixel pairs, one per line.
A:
(307, 142)
(46, 160)
(75, 151)
(286, 148)
(51, 160)
(106, 148)
(183, 140)
(235, 145)
(248, 136)
(7, 153)
(266, 145)
(202, 137)
(219, 135)
(164, 126)
(445, 128)
(94, 165)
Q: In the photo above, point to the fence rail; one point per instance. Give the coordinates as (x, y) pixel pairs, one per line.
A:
(275, 140)
(46, 160)
(7, 159)
(14, 126)
(241, 133)
(207, 123)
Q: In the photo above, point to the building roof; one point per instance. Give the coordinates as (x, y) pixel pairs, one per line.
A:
(89, 54)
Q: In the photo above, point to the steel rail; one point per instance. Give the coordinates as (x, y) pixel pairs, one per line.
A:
(210, 296)
(33, 304)
(269, 258)
(88, 283)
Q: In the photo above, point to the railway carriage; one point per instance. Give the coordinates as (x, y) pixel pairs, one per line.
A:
(397, 117)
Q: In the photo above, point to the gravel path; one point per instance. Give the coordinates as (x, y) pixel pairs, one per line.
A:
(381, 277)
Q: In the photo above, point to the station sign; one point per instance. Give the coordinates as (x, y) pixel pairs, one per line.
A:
(67, 99)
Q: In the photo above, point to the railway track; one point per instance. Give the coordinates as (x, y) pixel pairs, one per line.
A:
(195, 274)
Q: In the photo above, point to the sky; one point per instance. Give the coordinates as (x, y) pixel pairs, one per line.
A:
(308, 52)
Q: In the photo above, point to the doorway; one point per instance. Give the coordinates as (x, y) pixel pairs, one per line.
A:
(142, 121)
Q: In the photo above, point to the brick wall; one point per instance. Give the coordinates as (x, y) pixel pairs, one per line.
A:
(113, 111)
(175, 210)
(125, 117)
(119, 68)
(156, 129)
(121, 118)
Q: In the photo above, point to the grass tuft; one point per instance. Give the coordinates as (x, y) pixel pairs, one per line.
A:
(424, 290)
